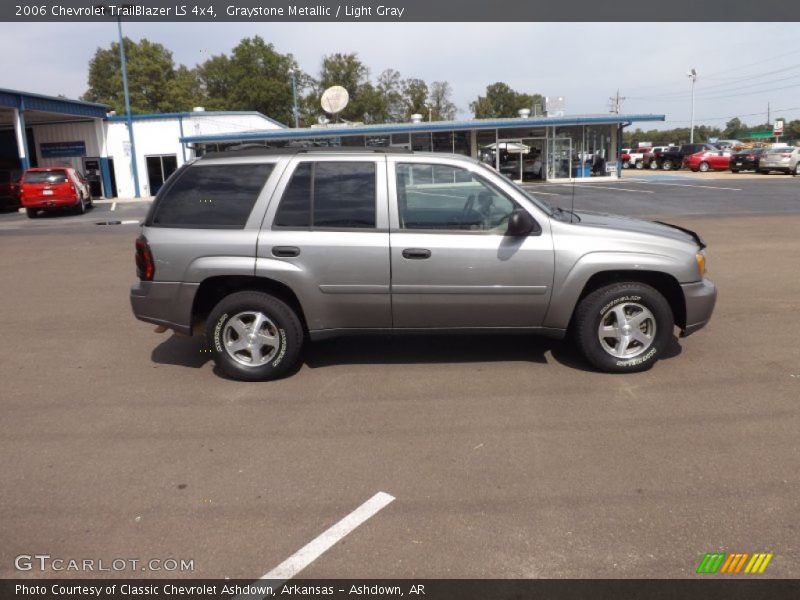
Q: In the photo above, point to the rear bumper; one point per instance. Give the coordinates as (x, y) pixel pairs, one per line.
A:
(700, 298)
(49, 203)
(164, 303)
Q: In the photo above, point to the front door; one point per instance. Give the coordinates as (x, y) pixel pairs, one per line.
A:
(452, 263)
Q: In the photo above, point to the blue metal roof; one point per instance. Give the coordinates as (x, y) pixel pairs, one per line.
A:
(424, 127)
(51, 104)
(192, 114)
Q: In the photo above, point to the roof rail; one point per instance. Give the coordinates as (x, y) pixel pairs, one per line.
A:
(290, 151)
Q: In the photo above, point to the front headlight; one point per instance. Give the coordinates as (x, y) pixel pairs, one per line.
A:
(701, 264)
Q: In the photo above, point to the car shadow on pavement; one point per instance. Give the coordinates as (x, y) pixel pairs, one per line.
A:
(193, 352)
(183, 351)
(415, 349)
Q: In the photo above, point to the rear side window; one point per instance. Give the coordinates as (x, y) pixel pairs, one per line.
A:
(329, 195)
(211, 197)
(45, 177)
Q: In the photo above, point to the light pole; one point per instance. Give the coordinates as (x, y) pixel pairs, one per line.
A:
(692, 74)
(294, 99)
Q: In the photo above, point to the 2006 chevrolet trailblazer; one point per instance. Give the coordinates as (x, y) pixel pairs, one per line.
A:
(265, 248)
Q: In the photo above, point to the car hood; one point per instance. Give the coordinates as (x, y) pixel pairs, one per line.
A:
(614, 222)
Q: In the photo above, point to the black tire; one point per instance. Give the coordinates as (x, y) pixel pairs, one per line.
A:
(282, 322)
(667, 165)
(80, 208)
(599, 305)
(734, 170)
(764, 171)
(31, 212)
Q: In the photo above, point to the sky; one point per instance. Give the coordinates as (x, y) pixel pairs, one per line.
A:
(742, 67)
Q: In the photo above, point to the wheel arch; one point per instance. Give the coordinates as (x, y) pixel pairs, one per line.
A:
(664, 283)
(563, 307)
(213, 289)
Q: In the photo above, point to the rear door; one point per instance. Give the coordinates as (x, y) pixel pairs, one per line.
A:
(326, 237)
(452, 264)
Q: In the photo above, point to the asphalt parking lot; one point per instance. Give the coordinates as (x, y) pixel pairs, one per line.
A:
(505, 456)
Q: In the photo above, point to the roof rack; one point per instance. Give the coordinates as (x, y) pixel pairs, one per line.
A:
(290, 151)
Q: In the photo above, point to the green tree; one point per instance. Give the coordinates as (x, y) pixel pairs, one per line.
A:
(390, 91)
(254, 77)
(348, 71)
(151, 79)
(415, 95)
(501, 101)
(733, 128)
(442, 108)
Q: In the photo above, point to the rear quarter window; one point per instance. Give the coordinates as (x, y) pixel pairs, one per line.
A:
(210, 196)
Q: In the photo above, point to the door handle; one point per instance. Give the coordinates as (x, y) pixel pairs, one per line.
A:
(285, 251)
(416, 253)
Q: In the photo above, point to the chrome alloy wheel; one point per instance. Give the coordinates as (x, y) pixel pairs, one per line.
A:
(627, 330)
(251, 339)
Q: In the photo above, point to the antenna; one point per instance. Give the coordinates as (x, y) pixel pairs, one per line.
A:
(334, 99)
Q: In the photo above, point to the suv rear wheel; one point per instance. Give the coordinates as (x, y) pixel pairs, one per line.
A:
(254, 336)
(623, 327)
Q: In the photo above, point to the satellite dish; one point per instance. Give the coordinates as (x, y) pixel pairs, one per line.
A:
(334, 99)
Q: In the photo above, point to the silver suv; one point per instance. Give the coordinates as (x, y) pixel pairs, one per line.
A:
(262, 249)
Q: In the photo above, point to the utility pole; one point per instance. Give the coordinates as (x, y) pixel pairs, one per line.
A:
(768, 113)
(616, 103)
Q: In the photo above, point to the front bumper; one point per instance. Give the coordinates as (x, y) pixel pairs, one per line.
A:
(700, 298)
(164, 303)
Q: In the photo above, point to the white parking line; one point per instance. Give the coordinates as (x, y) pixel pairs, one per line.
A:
(315, 548)
(129, 222)
(710, 187)
(605, 186)
(114, 206)
(535, 192)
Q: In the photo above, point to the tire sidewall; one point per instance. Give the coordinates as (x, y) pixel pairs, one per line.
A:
(597, 304)
(286, 323)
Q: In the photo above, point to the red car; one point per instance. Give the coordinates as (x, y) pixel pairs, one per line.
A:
(47, 188)
(708, 160)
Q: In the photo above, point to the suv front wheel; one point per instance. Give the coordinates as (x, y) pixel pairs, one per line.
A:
(623, 327)
(254, 336)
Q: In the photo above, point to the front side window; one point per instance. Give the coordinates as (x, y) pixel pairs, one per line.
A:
(211, 197)
(432, 197)
(327, 194)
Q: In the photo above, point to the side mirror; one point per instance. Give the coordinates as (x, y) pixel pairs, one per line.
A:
(520, 223)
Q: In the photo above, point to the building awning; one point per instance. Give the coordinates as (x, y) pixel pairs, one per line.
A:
(50, 104)
(424, 127)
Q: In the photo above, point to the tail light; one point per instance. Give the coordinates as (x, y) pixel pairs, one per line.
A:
(751, 157)
(145, 267)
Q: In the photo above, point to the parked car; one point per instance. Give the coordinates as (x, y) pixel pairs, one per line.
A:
(673, 157)
(708, 160)
(746, 160)
(265, 249)
(49, 188)
(651, 158)
(625, 157)
(9, 188)
(637, 157)
(783, 158)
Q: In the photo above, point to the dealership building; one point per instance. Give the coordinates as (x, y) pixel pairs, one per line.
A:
(37, 130)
